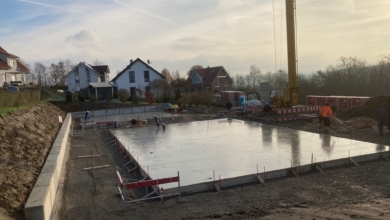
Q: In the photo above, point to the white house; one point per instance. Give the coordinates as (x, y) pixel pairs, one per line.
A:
(136, 75)
(12, 71)
(83, 74)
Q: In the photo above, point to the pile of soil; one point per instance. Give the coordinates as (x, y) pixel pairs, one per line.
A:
(367, 109)
(26, 139)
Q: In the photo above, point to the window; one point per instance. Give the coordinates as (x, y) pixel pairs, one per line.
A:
(132, 77)
(146, 76)
(221, 80)
(11, 62)
(196, 79)
(88, 75)
(76, 72)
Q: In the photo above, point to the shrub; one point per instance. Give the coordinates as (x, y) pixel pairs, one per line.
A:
(93, 98)
(123, 95)
(115, 94)
(70, 97)
(109, 97)
(149, 97)
(135, 99)
(81, 97)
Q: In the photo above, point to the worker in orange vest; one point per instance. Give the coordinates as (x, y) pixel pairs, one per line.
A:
(325, 113)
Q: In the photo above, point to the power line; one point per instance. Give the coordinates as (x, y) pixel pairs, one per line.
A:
(273, 13)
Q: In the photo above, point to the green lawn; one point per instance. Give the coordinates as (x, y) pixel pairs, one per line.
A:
(5, 110)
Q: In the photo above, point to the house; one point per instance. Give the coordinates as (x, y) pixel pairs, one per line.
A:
(81, 75)
(136, 75)
(101, 90)
(210, 79)
(12, 71)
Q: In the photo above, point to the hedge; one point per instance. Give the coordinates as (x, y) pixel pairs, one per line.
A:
(15, 99)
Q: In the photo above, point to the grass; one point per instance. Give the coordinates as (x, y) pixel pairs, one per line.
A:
(5, 110)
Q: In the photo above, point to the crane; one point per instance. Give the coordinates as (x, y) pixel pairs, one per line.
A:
(291, 93)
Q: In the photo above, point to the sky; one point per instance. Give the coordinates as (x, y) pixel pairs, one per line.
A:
(177, 34)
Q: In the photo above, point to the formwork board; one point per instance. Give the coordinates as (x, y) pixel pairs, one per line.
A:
(205, 151)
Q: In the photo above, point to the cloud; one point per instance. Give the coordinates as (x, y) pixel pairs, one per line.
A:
(4, 31)
(146, 12)
(85, 37)
(47, 5)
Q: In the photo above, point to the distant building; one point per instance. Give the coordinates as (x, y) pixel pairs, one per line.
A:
(210, 79)
(12, 71)
(83, 74)
(136, 75)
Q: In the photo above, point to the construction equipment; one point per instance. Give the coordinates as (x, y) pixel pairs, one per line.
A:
(291, 93)
(252, 96)
(289, 97)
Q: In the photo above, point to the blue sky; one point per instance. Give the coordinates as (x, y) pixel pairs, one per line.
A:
(177, 34)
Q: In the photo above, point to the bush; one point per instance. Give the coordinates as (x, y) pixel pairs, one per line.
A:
(81, 97)
(109, 97)
(115, 94)
(135, 99)
(86, 93)
(70, 97)
(93, 98)
(149, 97)
(196, 99)
(123, 95)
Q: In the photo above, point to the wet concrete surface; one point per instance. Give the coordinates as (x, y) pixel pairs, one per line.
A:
(227, 148)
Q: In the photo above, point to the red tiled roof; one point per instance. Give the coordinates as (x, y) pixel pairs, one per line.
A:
(21, 66)
(4, 65)
(209, 74)
(6, 53)
(3, 51)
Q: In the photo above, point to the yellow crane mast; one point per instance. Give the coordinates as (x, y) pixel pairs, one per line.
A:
(291, 93)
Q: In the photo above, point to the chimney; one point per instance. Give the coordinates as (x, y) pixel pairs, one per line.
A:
(131, 61)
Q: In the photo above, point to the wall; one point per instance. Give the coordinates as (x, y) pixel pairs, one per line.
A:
(40, 203)
(227, 81)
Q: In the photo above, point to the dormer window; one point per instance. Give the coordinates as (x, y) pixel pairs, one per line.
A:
(11, 62)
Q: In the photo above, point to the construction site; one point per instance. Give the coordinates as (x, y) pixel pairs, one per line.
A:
(97, 160)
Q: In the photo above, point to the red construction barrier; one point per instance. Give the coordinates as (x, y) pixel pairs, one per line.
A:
(152, 182)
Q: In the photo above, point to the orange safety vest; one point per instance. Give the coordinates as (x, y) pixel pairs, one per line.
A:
(326, 111)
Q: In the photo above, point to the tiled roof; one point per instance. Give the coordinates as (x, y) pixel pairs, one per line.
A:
(3, 65)
(101, 69)
(6, 53)
(21, 66)
(208, 74)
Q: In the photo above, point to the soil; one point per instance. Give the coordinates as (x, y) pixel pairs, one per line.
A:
(26, 138)
(348, 192)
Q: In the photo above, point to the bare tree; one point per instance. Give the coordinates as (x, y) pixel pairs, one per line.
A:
(40, 73)
(97, 62)
(194, 67)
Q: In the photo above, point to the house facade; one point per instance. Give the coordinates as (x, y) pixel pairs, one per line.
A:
(136, 75)
(83, 74)
(210, 79)
(12, 71)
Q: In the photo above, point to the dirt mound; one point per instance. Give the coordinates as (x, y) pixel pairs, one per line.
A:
(26, 138)
(367, 109)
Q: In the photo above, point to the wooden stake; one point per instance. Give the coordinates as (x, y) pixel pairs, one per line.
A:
(87, 156)
(97, 167)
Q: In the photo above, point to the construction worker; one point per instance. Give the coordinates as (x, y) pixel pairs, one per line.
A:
(267, 110)
(325, 113)
(380, 118)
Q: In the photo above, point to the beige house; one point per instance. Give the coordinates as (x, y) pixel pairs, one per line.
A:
(12, 71)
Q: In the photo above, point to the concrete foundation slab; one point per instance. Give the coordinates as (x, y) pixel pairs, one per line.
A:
(234, 152)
